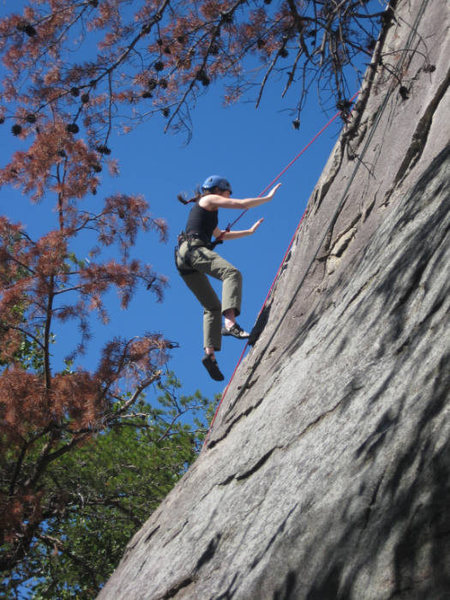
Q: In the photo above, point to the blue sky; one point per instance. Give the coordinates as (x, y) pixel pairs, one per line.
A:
(248, 146)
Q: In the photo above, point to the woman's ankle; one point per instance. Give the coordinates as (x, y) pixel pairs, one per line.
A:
(229, 318)
(209, 351)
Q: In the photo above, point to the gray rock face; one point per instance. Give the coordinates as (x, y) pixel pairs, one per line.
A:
(326, 475)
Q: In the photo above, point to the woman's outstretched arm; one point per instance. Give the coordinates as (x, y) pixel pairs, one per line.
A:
(223, 234)
(215, 201)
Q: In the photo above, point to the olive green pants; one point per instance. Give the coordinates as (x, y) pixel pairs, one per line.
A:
(207, 262)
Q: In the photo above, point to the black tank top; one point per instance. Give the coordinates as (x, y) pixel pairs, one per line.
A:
(202, 222)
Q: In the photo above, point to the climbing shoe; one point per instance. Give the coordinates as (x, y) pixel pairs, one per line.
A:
(236, 331)
(212, 367)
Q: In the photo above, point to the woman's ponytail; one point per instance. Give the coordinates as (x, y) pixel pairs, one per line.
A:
(184, 200)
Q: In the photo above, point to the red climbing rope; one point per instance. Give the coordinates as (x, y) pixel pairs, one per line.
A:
(295, 159)
(288, 166)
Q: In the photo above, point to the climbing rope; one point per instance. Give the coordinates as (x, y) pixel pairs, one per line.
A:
(380, 112)
(289, 165)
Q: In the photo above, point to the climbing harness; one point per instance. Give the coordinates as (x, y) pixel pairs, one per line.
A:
(193, 240)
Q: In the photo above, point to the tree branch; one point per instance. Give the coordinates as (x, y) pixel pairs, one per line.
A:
(53, 542)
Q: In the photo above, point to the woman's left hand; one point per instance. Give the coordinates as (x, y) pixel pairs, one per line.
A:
(255, 226)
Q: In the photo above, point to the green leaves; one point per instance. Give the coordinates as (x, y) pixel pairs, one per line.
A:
(97, 495)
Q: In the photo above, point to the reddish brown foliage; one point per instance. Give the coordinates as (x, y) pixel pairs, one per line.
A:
(23, 508)
(42, 418)
(155, 56)
(45, 412)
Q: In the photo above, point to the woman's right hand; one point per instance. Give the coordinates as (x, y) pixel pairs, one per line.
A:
(272, 192)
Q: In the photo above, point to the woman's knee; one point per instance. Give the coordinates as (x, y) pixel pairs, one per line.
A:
(234, 274)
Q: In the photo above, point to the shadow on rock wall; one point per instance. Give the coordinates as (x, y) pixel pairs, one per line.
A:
(410, 505)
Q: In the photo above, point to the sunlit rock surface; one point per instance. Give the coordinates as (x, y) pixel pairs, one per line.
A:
(326, 475)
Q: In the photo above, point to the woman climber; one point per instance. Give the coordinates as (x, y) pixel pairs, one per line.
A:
(196, 258)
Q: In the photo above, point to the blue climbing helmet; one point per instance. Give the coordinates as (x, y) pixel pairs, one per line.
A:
(216, 181)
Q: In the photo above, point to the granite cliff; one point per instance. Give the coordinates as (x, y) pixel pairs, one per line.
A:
(327, 472)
